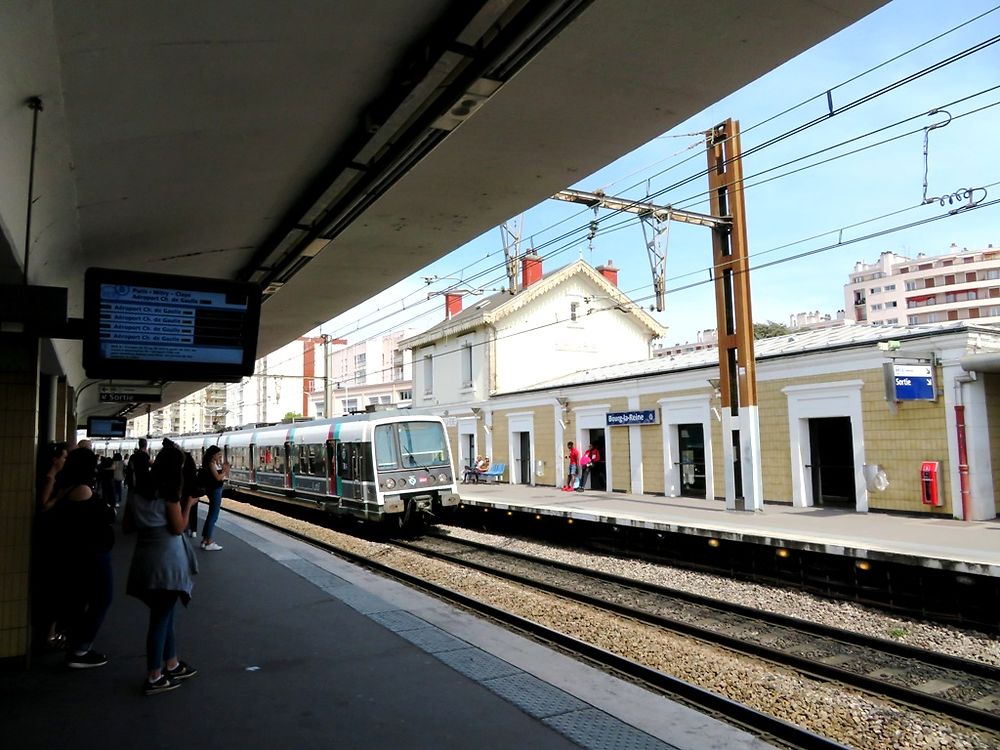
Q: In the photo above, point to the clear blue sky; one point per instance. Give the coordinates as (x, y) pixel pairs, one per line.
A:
(846, 191)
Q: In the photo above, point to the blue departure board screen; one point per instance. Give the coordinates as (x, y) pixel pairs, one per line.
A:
(106, 427)
(171, 328)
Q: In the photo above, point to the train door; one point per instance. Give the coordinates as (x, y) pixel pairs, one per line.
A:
(691, 446)
(831, 459)
(331, 468)
(352, 468)
(291, 465)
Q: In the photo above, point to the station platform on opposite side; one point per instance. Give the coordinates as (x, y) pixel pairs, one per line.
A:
(931, 542)
(297, 648)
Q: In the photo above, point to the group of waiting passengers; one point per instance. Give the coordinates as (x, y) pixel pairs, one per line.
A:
(80, 501)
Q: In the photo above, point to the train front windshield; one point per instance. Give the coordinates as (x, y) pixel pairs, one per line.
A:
(410, 445)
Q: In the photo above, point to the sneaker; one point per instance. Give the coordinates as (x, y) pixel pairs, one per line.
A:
(162, 685)
(211, 547)
(86, 661)
(194, 534)
(183, 671)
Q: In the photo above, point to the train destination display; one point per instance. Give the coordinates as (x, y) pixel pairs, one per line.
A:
(169, 327)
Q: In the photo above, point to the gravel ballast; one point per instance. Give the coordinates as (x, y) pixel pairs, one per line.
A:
(846, 716)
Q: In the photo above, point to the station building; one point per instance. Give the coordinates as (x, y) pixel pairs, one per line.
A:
(834, 431)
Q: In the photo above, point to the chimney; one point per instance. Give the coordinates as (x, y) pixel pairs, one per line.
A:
(609, 272)
(452, 305)
(531, 269)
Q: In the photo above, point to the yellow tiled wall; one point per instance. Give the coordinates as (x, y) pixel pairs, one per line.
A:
(991, 383)
(718, 458)
(898, 442)
(775, 453)
(455, 453)
(18, 438)
(501, 454)
(545, 440)
(621, 458)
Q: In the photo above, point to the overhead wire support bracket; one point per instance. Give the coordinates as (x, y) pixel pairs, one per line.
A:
(641, 208)
(656, 232)
(510, 234)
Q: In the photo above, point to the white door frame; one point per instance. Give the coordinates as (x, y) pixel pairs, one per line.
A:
(818, 401)
(685, 410)
(516, 423)
(466, 427)
(594, 418)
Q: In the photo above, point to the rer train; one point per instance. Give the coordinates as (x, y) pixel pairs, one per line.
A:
(391, 467)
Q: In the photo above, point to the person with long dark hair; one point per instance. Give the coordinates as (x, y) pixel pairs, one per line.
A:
(50, 595)
(163, 564)
(213, 477)
(85, 531)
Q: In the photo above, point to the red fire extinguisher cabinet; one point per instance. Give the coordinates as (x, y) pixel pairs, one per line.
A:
(930, 487)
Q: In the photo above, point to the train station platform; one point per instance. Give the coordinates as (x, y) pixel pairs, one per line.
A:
(296, 648)
(931, 542)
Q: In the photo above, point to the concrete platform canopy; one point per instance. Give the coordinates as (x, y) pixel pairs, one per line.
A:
(248, 140)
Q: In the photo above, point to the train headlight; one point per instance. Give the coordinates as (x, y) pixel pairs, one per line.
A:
(412, 481)
(442, 478)
(390, 483)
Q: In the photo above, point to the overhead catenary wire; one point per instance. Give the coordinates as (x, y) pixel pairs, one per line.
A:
(637, 302)
(787, 110)
(793, 161)
(628, 221)
(776, 139)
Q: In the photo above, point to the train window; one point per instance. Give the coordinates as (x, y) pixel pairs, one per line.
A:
(266, 458)
(386, 455)
(239, 458)
(316, 460)
(344, 461)
(422, 444)
(310, 460)
(279, 459)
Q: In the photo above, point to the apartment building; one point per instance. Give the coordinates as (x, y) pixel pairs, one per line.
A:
(373, 372)
(898, 290)
(202, 411)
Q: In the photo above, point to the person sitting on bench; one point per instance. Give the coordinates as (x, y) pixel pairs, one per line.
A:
(472, 472)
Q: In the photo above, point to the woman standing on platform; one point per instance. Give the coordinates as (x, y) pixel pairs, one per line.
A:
(163, 564)
(213, 475)
(195, 490)
(85, 532)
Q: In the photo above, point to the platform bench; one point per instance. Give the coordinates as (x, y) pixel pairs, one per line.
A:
(495, 472)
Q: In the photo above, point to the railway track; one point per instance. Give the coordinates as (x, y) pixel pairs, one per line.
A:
(769, 728)
(955, 688)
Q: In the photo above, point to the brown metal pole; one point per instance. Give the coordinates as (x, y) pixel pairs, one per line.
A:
(737, 365)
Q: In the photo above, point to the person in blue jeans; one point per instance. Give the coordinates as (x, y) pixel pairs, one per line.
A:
(163, 564)
(213, 475)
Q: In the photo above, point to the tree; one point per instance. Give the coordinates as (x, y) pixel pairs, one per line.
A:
(290, 416)
(770, 329)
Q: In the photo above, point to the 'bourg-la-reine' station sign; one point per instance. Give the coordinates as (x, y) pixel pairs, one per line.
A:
(631, 418)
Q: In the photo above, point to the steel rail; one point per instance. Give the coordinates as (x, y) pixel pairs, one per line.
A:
(974, 717)
(756, 722)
